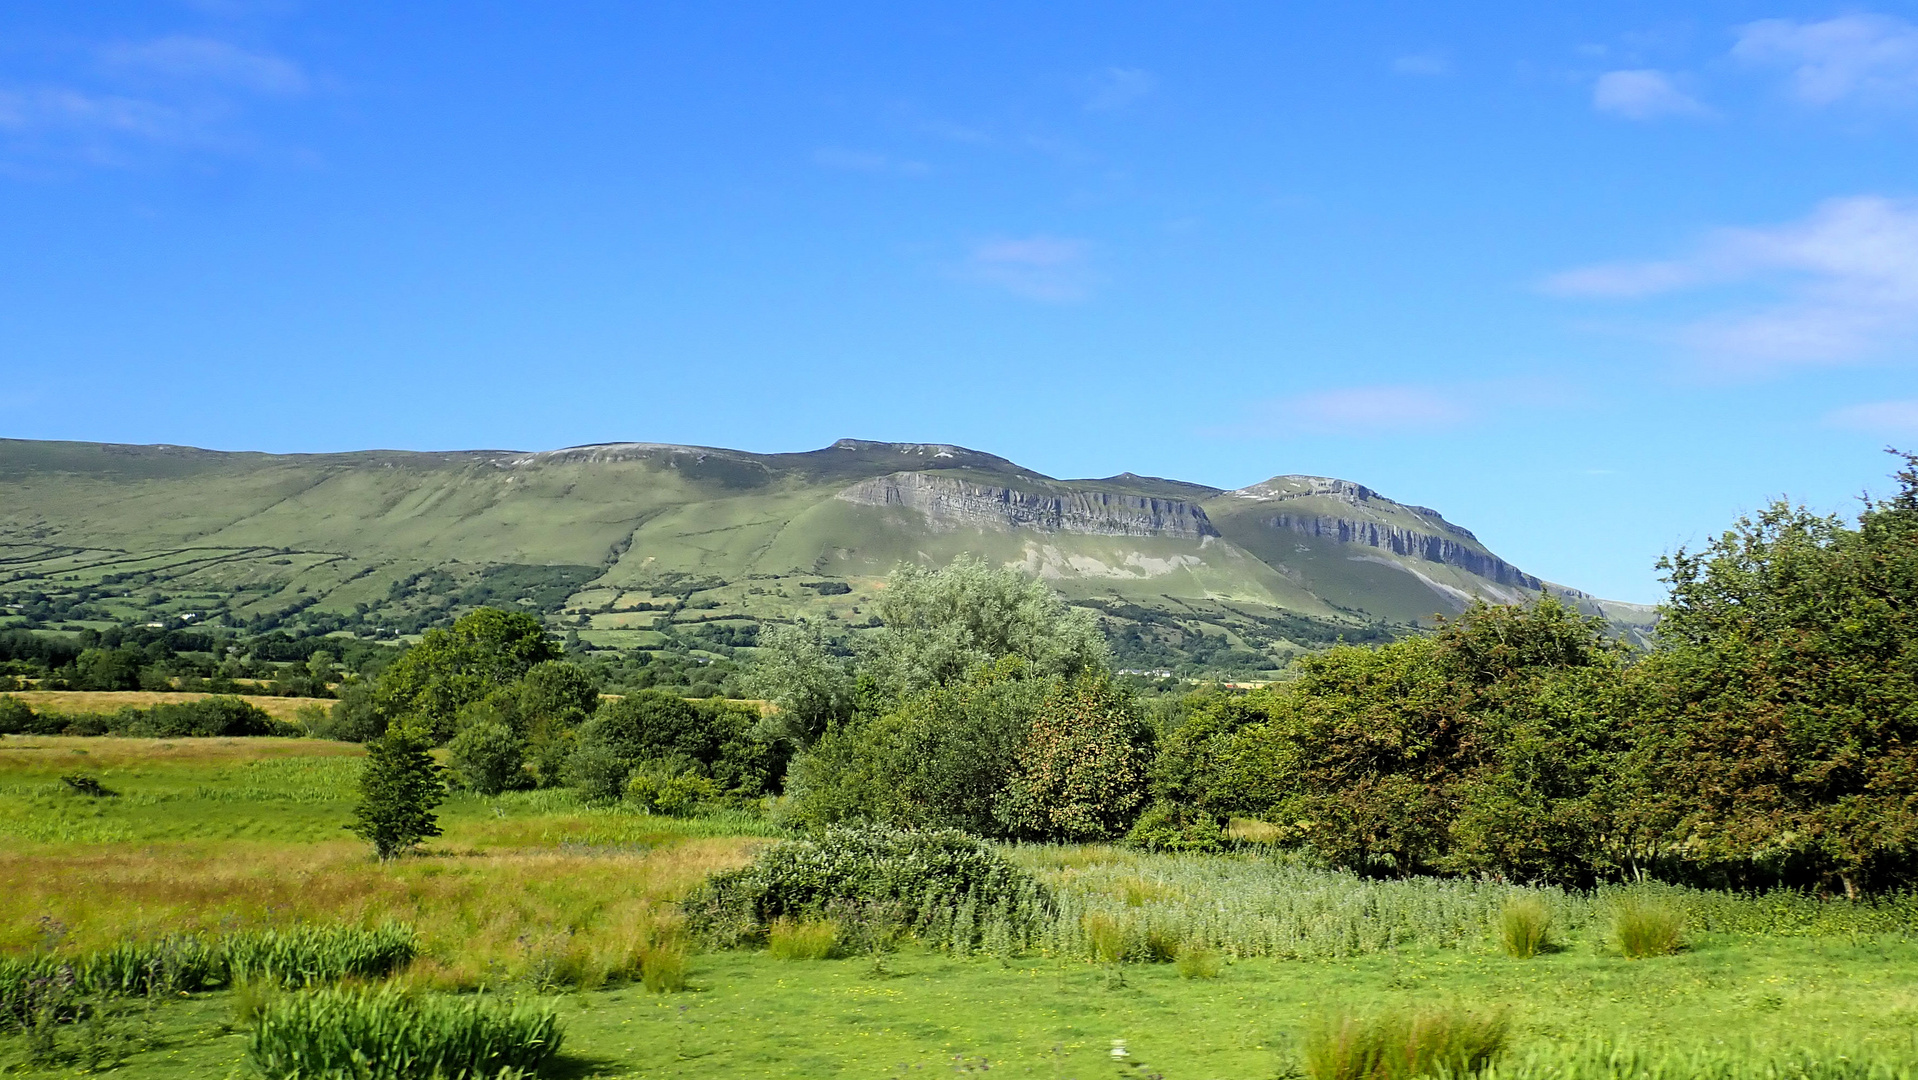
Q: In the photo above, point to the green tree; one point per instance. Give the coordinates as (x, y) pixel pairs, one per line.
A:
(940, 759)
(399, 788)
(108, 669)
(807, 673)
(449, 669)
(1779, 733)
(941, 624)
(1081, 773)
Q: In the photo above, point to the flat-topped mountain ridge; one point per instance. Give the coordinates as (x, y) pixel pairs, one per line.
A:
(605, 538)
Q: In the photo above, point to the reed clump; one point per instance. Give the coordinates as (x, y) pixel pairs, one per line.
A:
(386, 1034)
(1525, 927)
(1642, 928)
(1448, 1042)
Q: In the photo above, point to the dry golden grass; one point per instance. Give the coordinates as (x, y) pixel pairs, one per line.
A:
(513, 890)
(548, 914)
(107, 701)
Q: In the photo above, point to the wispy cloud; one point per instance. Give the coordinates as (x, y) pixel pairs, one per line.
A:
(175, 92)
(1643, 94)
(1846, 279)
(1886, 419)
(866, 161)
(1862, 57)
(1049, 268)
(1430, 62)
(1116, 87)
(184, 59)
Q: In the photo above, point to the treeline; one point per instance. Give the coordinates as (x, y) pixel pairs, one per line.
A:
(1770, 737)
(154, 658)
(514, 713)
(218, 716)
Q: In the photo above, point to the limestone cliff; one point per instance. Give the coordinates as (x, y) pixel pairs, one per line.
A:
(1354, 514)
(952, 502)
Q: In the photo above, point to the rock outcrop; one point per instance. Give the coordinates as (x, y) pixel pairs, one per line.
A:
(951, 502)
(1379, 522)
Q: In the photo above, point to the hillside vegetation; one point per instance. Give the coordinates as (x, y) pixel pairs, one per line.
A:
(693, 550)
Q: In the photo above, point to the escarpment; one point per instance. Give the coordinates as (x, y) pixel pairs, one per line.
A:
(1317, 506)
(951, 502)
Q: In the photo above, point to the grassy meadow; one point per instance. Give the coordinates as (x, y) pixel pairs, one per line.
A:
(534, 895)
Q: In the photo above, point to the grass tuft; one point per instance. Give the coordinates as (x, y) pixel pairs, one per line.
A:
(1106, 936)
(1642, 928)
(1197, 962)
(802, 939)
(1393, 1046)
(1525, 927)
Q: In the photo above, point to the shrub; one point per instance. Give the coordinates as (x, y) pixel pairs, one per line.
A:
(1524, 927)
(797, 939)
(387, 1035)
(222, 715)
(488, 757)
(1167, 826)
(597, 772)
(1197, 962)
(678, 795)
(1642, 928)
(1392, 1046)
(941, 885)
(16, 717)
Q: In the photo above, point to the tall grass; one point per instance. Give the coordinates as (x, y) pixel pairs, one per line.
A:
(1600, 1060)
(1642, 928)
(1393, 1046)
(802, 939)
(1524, 926)
(385, 1034)
(303, 956)
(1253, 905)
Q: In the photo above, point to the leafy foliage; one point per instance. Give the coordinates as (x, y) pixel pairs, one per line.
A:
(450, 669)
(1080, 773)
(399, 787)
(942, 885)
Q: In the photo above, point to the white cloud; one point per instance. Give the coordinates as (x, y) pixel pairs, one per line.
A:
(1432, 62)
(182, 58)
(1890, 419)
(1115, 88)
(1643, 94)
(866, 161)
(1367, 408)
(1049, 268)
(1865, 57)
(1847, 277)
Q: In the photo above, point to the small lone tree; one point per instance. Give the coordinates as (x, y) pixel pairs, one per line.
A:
(398, 791)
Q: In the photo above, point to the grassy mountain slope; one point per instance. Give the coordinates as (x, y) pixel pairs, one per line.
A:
(639, 544)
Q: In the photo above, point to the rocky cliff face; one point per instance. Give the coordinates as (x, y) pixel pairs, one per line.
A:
(951, 502)
(1375, 521)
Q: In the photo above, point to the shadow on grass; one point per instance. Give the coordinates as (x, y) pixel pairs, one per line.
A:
(571, 1066)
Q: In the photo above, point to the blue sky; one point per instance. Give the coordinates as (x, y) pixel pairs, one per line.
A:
(1591, 279)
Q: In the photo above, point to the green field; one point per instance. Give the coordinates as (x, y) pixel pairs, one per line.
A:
(535, 894)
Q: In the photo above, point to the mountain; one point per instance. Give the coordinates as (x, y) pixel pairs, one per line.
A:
(653, 545)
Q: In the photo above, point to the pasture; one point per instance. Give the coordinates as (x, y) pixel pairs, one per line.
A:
(536, 895)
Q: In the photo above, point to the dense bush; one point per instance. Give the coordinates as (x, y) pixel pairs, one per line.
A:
(942, 885)
(385, 1034)
(664, 735)
(1080, 771)
(218, 716)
